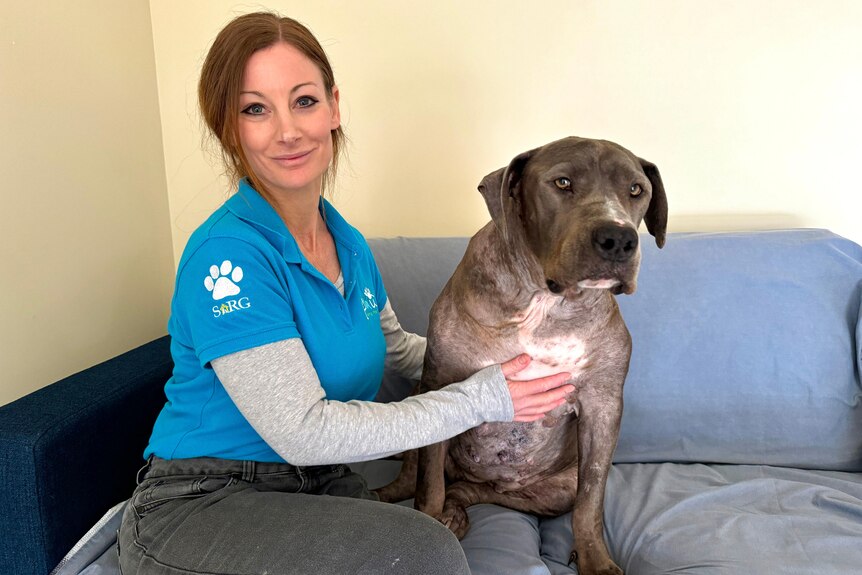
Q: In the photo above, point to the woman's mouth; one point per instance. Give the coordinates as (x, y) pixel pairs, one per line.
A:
(289, 159)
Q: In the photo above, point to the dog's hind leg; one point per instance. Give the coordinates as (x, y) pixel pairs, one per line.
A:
(554, 495)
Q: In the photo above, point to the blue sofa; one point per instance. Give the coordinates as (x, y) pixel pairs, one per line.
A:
(740, 449)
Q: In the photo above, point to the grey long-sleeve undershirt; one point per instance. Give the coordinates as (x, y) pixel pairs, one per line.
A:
(276, 388)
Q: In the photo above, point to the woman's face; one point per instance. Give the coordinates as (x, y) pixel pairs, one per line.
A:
(286, 119)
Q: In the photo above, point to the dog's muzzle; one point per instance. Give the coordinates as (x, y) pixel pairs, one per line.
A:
(615, 243)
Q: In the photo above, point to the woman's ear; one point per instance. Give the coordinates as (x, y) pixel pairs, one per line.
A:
(336, 111)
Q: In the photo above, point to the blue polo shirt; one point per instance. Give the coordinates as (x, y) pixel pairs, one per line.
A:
(242, 282)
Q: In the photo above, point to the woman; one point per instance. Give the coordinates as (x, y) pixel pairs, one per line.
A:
(281, 330)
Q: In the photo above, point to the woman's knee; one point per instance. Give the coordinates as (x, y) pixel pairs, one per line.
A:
(419, 543)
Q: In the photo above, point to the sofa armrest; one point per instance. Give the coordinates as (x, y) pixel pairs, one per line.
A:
(70, 451)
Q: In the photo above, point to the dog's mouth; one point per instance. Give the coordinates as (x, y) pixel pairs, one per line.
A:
(614, 285)
(601, 283)
(578, 275)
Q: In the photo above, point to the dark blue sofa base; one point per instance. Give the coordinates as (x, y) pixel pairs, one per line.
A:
(85, 435)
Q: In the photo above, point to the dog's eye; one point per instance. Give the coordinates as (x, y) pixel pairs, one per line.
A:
(636, 190)
(563, 184)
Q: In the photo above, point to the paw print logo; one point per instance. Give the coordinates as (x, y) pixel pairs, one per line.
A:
(222, 280)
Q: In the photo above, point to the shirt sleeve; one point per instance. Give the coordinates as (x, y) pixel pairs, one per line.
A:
(405, 351)
(277, 390)
(229, 298)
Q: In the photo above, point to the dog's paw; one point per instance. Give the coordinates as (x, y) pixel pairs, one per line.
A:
(454, 517)
(595, 567)
(222, 280)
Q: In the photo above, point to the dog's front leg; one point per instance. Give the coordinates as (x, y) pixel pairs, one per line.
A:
(404, 486)
(431, 481)
(598, 430)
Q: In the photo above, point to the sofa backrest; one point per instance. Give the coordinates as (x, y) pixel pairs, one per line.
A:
(746, 350)
(746, 345)
(414, 272)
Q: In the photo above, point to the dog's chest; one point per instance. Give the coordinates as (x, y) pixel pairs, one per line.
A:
(511, 455)
(547, 336)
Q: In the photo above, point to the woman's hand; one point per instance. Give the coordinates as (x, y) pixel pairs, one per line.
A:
(535, 397)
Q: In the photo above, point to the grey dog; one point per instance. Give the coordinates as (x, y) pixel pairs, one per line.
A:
(540, 278)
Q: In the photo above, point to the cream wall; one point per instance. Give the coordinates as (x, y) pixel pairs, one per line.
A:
(749, 107)
(85, 232)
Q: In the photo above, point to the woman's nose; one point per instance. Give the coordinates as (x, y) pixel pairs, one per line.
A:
(288, 131)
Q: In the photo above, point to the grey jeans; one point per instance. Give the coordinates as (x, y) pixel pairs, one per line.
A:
(216, 516)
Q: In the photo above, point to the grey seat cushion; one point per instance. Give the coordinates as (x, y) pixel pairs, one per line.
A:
(722, 519)
(687, 518)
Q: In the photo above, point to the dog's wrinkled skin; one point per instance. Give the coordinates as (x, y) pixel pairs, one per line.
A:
(539, 279)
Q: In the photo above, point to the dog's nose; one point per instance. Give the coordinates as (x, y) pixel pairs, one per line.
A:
(615, 243)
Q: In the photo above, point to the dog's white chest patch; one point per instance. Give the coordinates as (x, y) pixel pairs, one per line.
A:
(550, 354)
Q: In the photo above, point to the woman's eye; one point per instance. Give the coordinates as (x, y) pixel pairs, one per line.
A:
(636, 190)
(563, 184)
(254, 110)
(306, 102)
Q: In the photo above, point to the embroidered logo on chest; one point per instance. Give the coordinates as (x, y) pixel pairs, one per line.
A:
(369, 303)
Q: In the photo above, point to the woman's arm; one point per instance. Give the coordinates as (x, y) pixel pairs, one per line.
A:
(277, 390)
(405, 352)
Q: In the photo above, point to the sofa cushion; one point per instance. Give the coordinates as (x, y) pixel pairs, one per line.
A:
(721, 519)
(746, 351)
(685, 518)
(96, 552)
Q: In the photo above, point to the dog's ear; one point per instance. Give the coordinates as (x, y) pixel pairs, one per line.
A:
(500, 188)
(513, 174)
(656, 214)
(489, 187)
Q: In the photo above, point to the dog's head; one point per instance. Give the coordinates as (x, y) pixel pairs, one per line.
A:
(577, 204)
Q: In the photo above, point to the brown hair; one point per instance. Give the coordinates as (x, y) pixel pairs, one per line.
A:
(221, 82)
